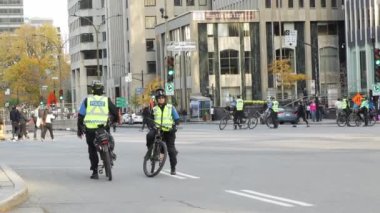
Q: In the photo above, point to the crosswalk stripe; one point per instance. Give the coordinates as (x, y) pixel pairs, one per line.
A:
(278, 198)
(174, 176)
(185, 175)
(259, 198)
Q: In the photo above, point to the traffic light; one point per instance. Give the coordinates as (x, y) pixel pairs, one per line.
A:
(60, 94)
(377, 65)
(171, 72)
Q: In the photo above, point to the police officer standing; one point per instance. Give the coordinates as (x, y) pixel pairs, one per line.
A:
(165, 117)
(95, 110)
(364, 106)
(273, 106)
(239, 113)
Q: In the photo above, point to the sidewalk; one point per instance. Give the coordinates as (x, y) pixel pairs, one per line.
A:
(13, 189)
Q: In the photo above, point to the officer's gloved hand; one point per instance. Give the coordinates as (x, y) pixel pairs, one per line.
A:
(174, 129)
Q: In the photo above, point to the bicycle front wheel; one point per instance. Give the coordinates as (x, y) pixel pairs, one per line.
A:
(223, 123)
(341, 120)
(371, 120)
(155, 158)
(270, 123)
(253, 122)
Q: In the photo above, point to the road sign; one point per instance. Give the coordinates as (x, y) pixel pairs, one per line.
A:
(291, 38)
(120, 102)
(376, 89)
(139, 90)
(181, 46)
(169, 88)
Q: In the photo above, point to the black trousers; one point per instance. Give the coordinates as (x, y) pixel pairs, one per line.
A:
(274, 117)
(303, 116)
(93, 154)
(238, 116)
(169, 138)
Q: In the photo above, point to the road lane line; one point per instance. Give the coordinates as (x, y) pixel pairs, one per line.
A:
(185, 175)
(174, 176)
(259, 198)
(278, 198)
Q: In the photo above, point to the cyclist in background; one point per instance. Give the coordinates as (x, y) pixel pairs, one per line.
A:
(165, 117)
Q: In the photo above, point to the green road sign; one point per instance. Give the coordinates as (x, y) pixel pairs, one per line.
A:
(169, 88)
(376, 89)
(121, 102)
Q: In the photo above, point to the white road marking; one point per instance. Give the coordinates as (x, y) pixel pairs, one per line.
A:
(174, 176)
(259, 198)
(278, 198)
(185, 175)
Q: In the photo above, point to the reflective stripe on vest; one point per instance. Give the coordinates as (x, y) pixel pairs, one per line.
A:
(239, 104)
(275, 106)
(364, 104)
(96, 111)
(344, 104)
(164, 117)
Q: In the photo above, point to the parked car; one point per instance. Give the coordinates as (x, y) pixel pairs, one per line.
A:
(287, 115)
(132, 118)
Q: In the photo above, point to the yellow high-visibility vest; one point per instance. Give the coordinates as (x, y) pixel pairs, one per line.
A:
(96, 111)
(163, 117)
(239, 104)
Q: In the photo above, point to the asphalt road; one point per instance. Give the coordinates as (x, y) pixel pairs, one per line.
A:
(323, 168)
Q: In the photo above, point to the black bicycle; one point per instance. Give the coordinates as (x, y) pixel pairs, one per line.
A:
(156, 155)
(246, 121)
(103, 146)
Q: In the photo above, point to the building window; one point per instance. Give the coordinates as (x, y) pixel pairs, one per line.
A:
(104, 35)
(126, 3)
(334, 4)
(279, 3)
(150, 3)
(150, 22)
(86, 37)
(150, 45)
(177, 2)
(151, 66)
(327, 29)
(86, 21)
(268, 3)
(229, 62)
(228, 30)
(329, 67)
(85, 4)
(247, 62)
(89, 54)
(202, 2)
(290, 4)
(323, 3)
(312, 3)
(211, 63)
(102, 3)
(189, 2)
(300, 3)
(363, 71)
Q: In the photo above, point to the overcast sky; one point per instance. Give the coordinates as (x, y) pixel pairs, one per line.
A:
(52, 9)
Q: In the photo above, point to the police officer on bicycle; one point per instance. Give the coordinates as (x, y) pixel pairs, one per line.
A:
(95, 110)
(165, 117)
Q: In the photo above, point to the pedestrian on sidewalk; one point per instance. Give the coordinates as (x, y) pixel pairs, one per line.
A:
(301, 113)
(313, 111)
(145, 114)
(15, 119)
(23, 120)
(47, 124)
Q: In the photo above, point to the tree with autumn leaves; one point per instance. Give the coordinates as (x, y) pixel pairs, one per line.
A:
(28, 60)
(285, 75)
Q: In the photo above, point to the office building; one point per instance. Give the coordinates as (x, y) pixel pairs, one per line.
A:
(11, 15)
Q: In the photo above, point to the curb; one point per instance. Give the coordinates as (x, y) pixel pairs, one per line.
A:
(15, 197)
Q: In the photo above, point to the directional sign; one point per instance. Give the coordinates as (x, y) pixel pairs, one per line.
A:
(169, 88)
(181, 46)
(120, 102)
(291, 38)
(376, 89)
